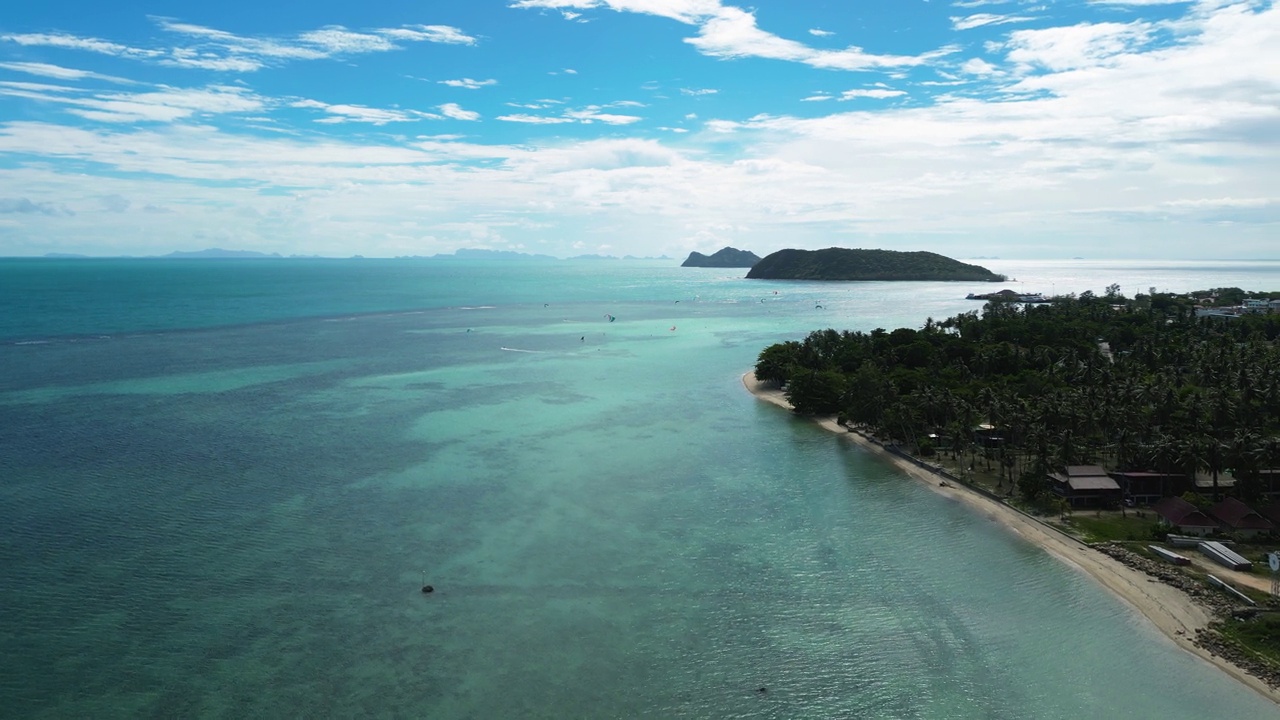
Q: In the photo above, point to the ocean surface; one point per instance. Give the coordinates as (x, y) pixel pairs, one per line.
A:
(222, 484)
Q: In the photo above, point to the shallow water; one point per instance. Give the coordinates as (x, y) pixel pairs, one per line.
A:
(225, 508)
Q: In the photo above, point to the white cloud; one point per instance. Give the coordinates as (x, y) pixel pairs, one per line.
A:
(732, 33)
(454, 111)
(222, 51)
(593, 114)
(338, 40)
(87, 44)
(468, 83)
(984, 19)
(343, 113)
(58, 72)
(429, 33)
(696, 92)
(877, 93)
(1163, 140)
(817, 98)
(729, 32)
(34, 90)
(820, 33)
(163, 105)
(1076, 46)
(189, 58)
(978, 66)
(685, 11)
(535, 119)
(586, 116)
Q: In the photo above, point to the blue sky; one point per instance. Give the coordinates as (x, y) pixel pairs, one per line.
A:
(1095, 128)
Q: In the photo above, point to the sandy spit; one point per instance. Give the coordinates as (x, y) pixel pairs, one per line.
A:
(1168, 608)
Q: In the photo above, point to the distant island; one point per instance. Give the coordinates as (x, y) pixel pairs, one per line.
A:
(724, 258)
(486, 254)
(1008, 295)
(219, 253)
(459, 254)
(847, 264)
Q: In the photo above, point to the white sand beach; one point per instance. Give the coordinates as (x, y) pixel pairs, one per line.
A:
(1170, 609)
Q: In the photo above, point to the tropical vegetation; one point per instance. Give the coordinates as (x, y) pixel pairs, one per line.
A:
(1134, 384)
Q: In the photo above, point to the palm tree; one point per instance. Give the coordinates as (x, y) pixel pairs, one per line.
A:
(1192, 453)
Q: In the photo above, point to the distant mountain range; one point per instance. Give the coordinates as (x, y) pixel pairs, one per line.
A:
(219, 253)
(460, 254)
(483, 254)
(723, 258)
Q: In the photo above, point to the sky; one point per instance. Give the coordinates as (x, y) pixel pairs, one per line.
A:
(972, 128)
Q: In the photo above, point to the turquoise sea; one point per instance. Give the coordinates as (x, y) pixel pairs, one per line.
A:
(222, 483)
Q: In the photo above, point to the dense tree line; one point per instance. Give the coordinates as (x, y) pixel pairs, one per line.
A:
(1137, 384)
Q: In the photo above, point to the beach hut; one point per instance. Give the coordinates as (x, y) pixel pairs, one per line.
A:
(1269, 479)
(1146, 487)
(1204, 482)
(1184, 517)
(1085, 486)
(1241, 519)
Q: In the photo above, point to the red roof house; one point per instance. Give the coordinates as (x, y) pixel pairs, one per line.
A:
(1240, 518)
(1184, 517)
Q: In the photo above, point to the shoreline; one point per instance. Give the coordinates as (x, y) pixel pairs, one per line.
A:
(1173, 612)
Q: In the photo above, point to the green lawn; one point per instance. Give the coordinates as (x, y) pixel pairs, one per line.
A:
(1260, 635)
(1110, 525)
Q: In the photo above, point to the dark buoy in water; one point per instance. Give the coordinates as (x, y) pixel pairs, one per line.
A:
(763, 690)
(425, 587)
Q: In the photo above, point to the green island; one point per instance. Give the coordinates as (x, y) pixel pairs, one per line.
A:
(1137, 426)
(726, 257)
(856, 264)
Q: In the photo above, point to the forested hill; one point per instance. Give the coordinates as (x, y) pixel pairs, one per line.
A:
(846, 264)
(723, 258)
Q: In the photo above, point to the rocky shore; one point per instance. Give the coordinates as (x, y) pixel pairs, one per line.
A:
(1218, 604)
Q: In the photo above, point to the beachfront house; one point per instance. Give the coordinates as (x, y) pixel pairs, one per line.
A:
(1240, 519)
(1146, 487)
(1205, 483)
(1269, 481)
(1085, 486)
(988, 436)
(1183, 517)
